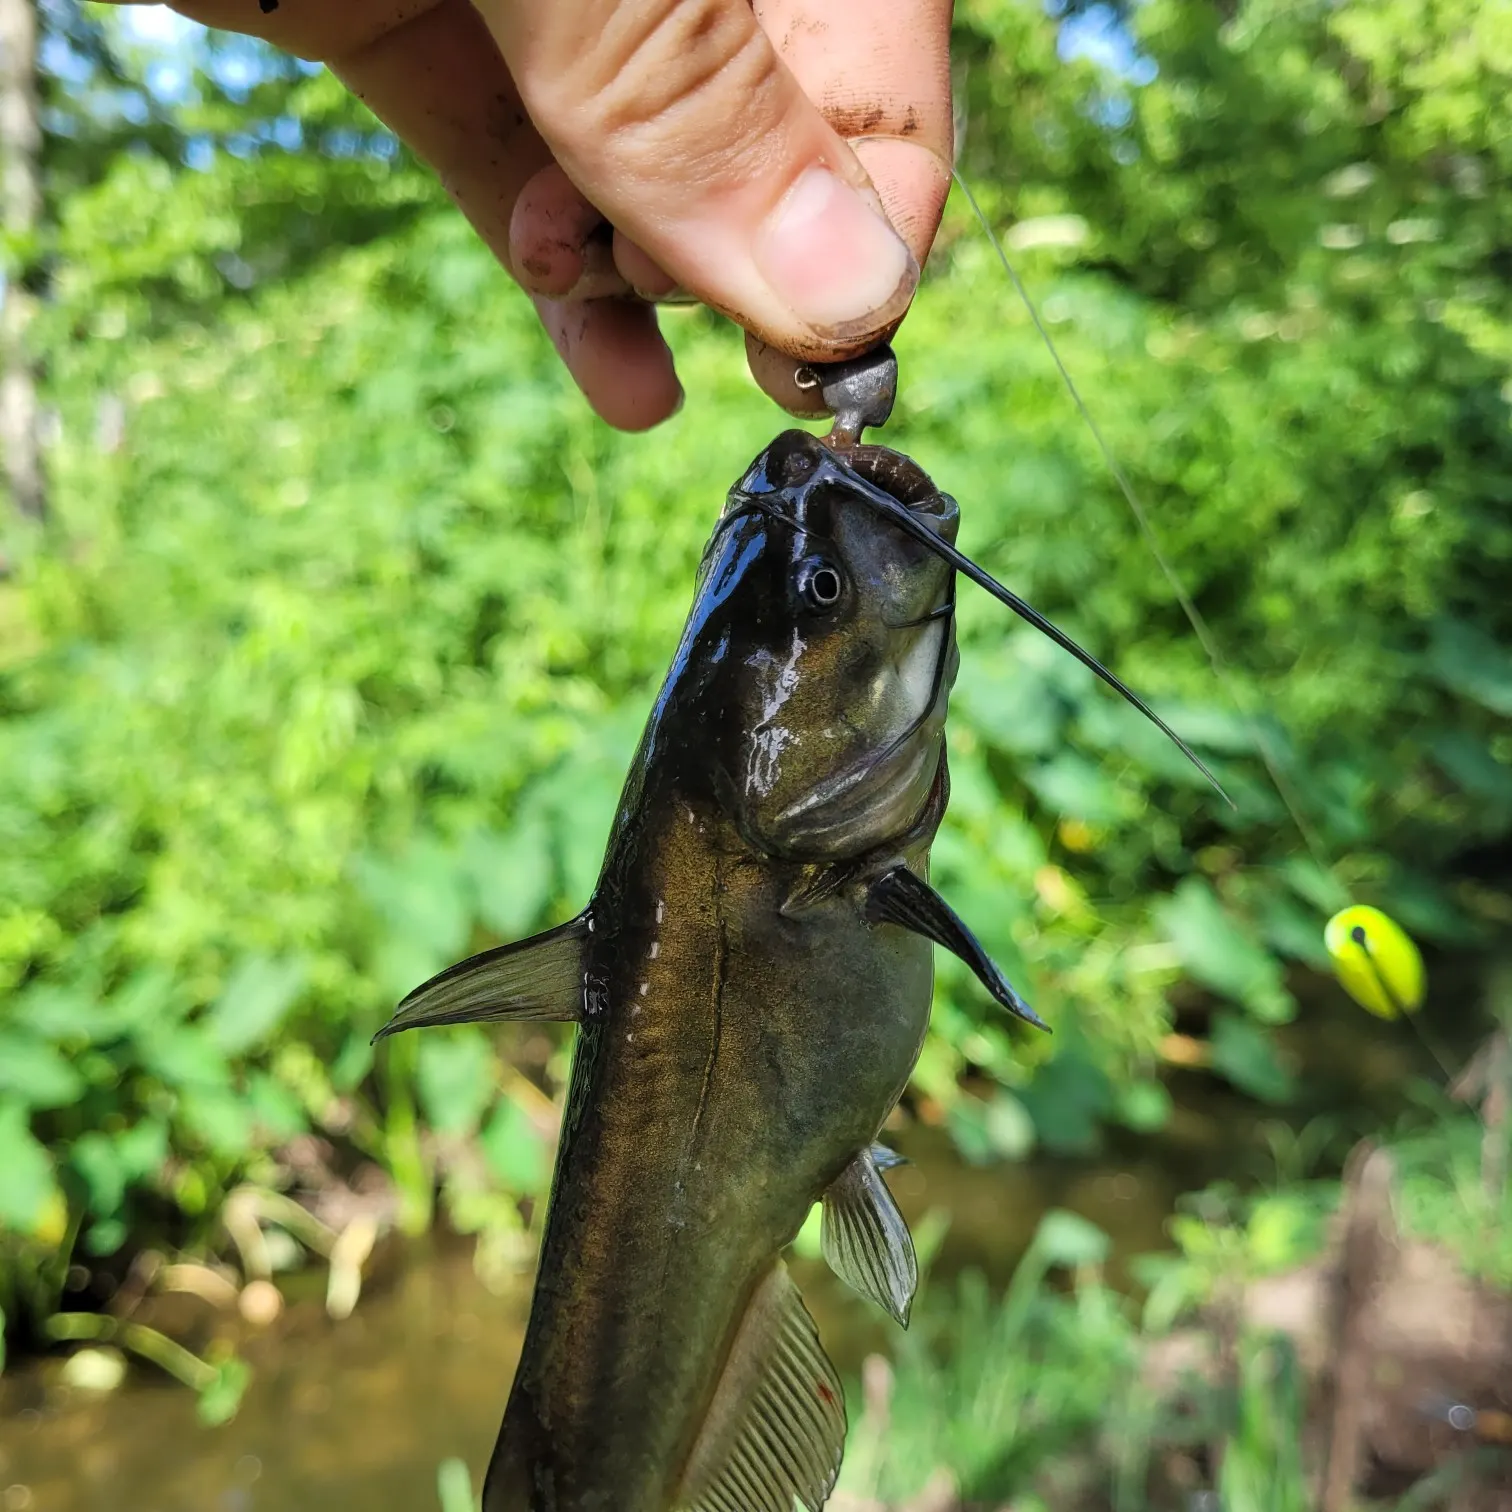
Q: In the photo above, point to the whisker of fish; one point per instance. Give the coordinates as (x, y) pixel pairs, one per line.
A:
(1200, 627)
(904, 519)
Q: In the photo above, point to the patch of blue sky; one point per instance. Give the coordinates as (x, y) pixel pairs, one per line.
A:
(176, 46)
(157, 26)
(1101, 35)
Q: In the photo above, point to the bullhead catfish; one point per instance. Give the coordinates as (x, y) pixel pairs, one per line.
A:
(752, 981)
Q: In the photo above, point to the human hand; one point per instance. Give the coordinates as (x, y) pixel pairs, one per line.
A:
(710, 135)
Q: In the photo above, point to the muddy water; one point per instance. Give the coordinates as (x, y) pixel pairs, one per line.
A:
(338, 1416)
(357, 1416)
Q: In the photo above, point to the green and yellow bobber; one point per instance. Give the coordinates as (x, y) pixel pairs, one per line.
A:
(1375, 960)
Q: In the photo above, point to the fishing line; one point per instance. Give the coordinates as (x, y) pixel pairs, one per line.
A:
(1362, 939)
(1208, 641)
(1205, 636)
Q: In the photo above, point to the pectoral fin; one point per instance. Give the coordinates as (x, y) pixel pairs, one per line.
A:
(864, 1237)
(898, 897)
(776, 1426)
(538, 978)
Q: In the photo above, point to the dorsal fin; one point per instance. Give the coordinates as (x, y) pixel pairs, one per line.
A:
(775, 1429)
(538, 978)
(864, 1237)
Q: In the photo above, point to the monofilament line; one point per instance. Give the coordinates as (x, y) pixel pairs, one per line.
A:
(1199, 625)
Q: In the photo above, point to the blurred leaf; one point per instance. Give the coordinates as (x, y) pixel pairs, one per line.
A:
(457, 1078)
(26, 1180)
(1316, 886)
(1245, 1054)
(512, 874)
(454, 1487)
(58, 1013)
(809, 1240)
(274, 1108)
(515, 1150)
(35, 1073)
(1468, 761)
(1069, 1239)
(1468, 660)
(1068, 1099)
(104, 1237)
(352, 1063)
(1221, 955)
(221, 1118)
(1283, 1231)
(94, 1158)
(260, 992)
(1145, 1106)
(1013, 708)
(421, 899)
(1071, 785)
(1208, 728)
(1293, 931)
(1424, 906)
(986, 1132)
(219, 1401)
(183, 1056)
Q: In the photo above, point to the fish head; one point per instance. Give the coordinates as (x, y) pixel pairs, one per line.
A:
(828, 642)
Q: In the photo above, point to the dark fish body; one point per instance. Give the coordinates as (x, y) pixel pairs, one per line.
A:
(726, 1083)
(752, 980)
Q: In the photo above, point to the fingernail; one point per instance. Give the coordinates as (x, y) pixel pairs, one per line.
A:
(832, 258)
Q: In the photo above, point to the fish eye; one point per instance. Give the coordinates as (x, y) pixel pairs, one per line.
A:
(820, 585)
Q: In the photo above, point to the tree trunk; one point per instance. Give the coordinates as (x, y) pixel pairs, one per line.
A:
(21, 206)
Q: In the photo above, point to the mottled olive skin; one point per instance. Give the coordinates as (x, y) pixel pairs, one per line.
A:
(747, 1032)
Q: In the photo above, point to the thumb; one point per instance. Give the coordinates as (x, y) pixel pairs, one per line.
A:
(678, 120)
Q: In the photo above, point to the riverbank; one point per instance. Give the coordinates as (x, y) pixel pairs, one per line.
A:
(1214, 1365)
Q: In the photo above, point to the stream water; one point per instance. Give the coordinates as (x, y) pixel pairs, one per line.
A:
(359, 1414)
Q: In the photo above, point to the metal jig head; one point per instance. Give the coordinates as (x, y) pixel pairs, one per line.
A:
(858, 393)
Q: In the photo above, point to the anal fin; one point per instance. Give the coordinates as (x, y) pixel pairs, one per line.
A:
(898, 897)
(775, 1429)
(536, 979)
(864, 1237)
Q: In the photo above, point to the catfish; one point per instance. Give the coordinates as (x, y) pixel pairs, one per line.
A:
(752, 981)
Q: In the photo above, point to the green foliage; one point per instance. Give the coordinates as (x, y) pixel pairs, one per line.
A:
(1262, 1460)
(1037, 1397)
(332, 662)
(1225, 1241)
(1044, 1397)
(1444, 1195)
(1451, 1190)
(996, 1390)
(454, 1487)
(219, 1381)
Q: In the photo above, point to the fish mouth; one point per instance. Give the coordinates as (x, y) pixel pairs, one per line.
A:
(786, 477)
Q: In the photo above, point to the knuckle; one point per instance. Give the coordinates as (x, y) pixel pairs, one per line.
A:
(656, 74)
